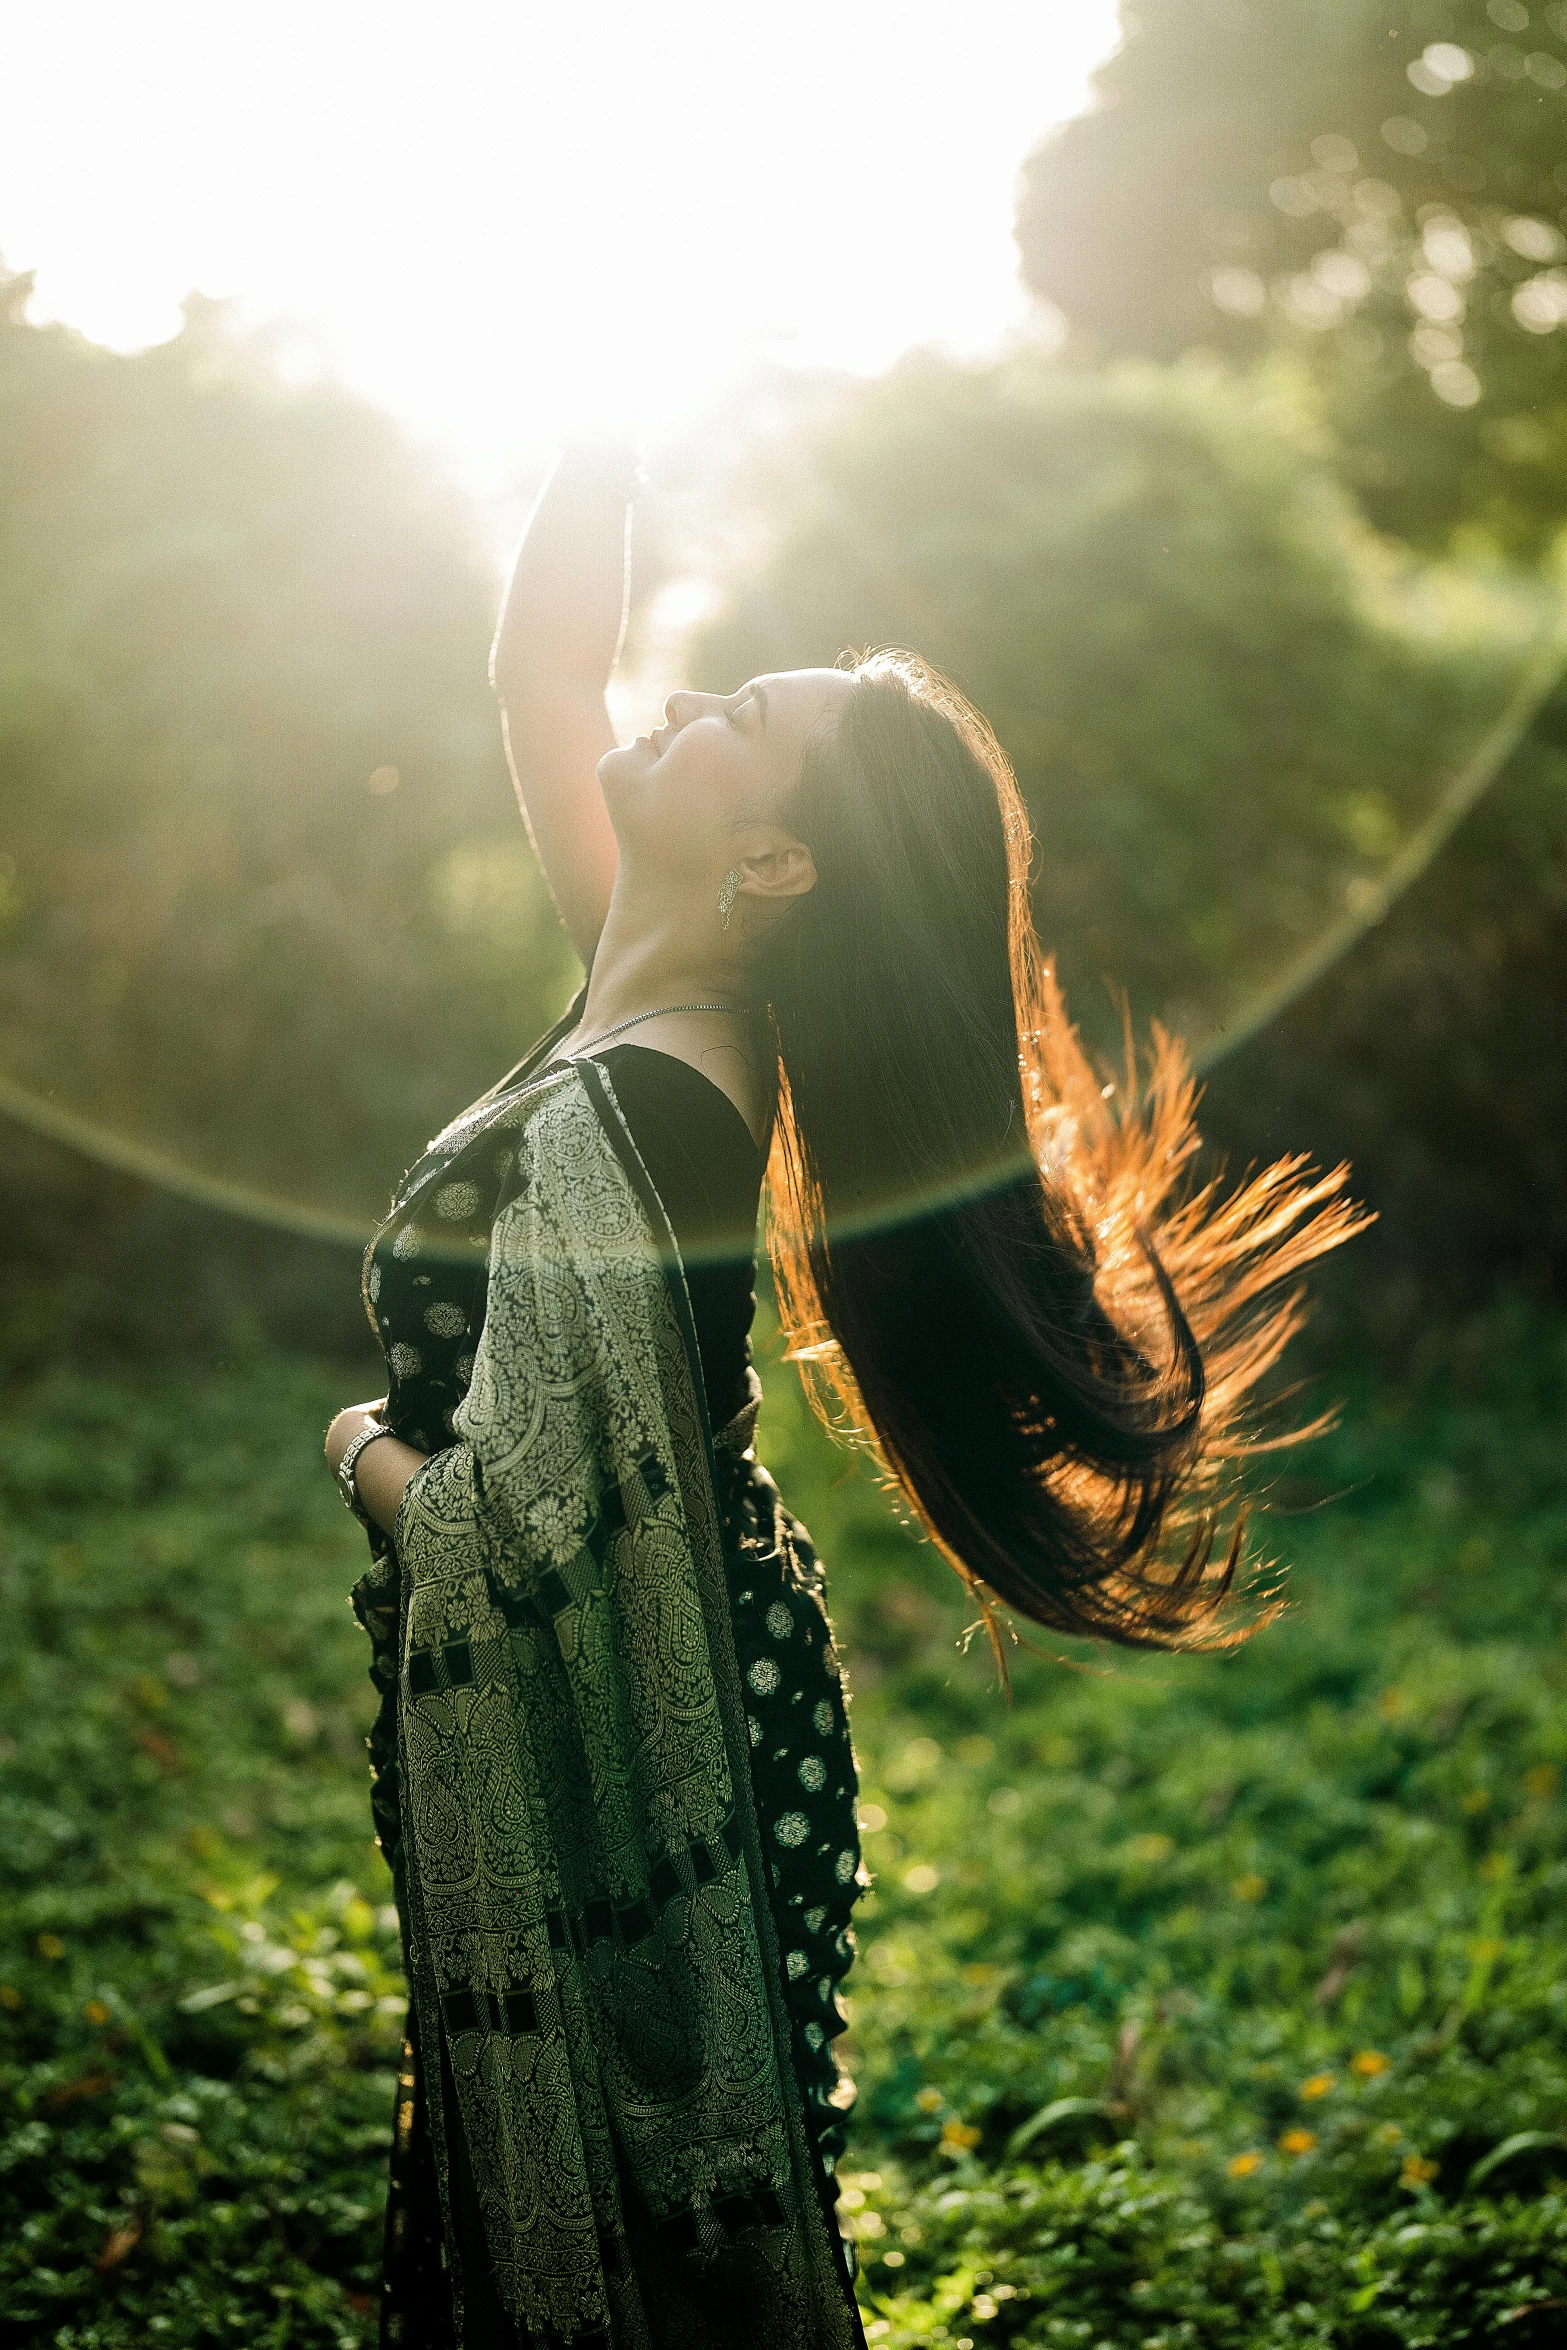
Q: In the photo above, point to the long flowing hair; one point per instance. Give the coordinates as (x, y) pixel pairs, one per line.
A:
(992, 1265)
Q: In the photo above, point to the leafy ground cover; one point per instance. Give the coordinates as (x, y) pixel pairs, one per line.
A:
(1201, 2002)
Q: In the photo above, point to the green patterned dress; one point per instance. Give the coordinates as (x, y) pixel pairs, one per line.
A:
(613, 1774)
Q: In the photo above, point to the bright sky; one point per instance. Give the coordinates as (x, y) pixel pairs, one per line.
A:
(504, 220)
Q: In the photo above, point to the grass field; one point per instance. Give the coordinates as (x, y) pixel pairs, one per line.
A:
(1200, 2003)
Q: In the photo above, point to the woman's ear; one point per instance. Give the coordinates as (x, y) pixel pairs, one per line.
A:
(774, 865)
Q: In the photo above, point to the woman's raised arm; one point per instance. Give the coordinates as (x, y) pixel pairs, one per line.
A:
(559, 634)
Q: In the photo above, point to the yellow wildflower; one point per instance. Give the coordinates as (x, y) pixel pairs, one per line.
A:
(1241, 2166)
(928, 2100)
(958, 2137)
(1249, 1887)
(1297, 2141)
(1318, 2085)
(50, 1946)
(96, 2012)
(1417, 2171)
(1369, 2063)
(1541, 1781)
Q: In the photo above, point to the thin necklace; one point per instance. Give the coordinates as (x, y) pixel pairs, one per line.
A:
(657, 1013)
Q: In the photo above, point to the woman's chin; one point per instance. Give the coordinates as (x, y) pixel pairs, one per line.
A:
(627, 763)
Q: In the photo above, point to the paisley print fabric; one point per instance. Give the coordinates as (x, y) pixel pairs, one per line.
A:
(569, 1782)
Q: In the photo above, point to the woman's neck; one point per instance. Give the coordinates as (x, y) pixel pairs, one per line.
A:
(646, 958)
(646, 961)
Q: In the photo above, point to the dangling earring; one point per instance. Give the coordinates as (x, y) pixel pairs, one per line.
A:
(728, 894)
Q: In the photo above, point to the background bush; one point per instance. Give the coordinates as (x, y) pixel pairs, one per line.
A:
(1292, 179)
(1294, 174)
(266, 900)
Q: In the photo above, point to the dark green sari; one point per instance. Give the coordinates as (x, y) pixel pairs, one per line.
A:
(620, 2140)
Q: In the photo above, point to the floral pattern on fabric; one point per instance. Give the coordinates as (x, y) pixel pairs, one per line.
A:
(577, 1860)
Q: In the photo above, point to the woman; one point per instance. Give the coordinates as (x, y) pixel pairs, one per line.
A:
(614, 1777)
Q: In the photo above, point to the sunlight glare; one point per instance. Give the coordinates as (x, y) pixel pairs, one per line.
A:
(505, 222)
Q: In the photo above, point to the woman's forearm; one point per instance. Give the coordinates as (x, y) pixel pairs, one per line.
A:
(565, 608)
(559, 634)
(382, 1469)
(381, 1476)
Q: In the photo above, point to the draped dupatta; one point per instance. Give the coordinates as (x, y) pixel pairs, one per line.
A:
(589, 1931)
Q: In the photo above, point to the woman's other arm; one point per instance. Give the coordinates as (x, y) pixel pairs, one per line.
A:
(559, 634)
(382, 1470)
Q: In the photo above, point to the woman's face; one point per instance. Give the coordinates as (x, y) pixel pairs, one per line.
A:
(682, 797)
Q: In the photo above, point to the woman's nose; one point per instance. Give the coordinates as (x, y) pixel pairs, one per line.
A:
(680, 707)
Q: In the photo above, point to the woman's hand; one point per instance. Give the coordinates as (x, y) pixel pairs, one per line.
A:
(382, 1470)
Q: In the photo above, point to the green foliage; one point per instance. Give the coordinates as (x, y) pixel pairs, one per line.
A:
(1295, 170)
(1261, 178)
(1270, 1943)
(1127, 1936)
(259, 839)
(1434, 1059)
(1228, 703)
(202, 2001)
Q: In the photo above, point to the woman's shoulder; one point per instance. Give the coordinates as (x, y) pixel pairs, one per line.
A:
(507, 1104)
(494, 1121)
(663, 1087)
(696, 1147)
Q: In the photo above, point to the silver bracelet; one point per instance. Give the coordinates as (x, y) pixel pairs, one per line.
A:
(346, 1466)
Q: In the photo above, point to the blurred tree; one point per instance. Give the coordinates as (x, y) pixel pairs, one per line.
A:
(265, 898)
(1382, 184)
(1228, 702)
(1382, 191)
(1434, 1058)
